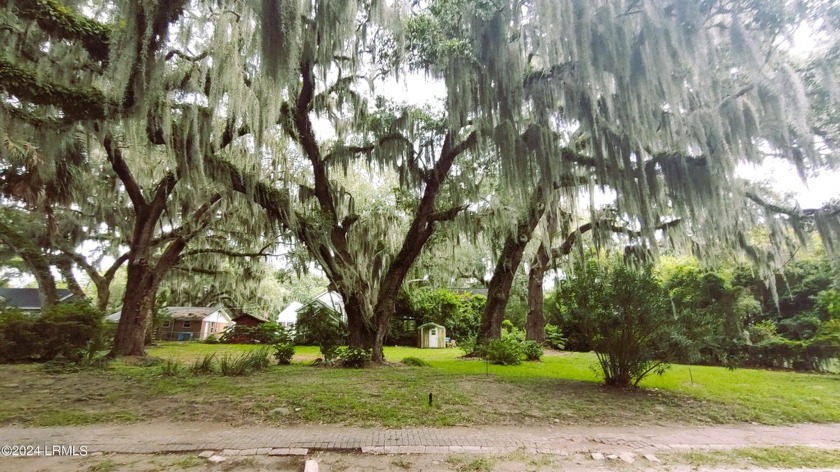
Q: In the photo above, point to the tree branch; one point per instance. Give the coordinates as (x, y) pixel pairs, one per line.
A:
(58, 21)
(77, 103)
(124, 173)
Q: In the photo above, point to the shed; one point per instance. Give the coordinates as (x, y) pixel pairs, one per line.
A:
(247, 319)
(431, 336)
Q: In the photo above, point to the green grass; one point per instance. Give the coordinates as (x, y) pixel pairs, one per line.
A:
(561, 389)
(797, 457)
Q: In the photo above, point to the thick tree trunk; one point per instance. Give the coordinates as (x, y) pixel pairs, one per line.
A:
(498, 291)
(535, 324)
(360, 332)
(137, 308)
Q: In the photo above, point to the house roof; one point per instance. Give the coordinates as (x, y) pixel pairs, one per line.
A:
(190, 312)
(178, 313)
(332, 301)
(431, 325)
(290, 313)
(249, 315)
(29, 298)
(471, 291)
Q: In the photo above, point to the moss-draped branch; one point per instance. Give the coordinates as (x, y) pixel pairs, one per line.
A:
(60, 22)
(78, 103)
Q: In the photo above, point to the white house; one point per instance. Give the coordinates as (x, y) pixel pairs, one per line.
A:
(288, 317)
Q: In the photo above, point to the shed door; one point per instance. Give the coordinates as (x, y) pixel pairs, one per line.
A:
(433, 337)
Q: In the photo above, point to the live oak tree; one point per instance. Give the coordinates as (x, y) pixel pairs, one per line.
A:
(108, 82)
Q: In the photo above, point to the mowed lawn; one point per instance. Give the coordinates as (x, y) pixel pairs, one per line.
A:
(562, 389)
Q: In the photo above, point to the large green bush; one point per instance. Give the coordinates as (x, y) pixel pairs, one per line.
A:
(626, 317)
(71, 331)
(354, 357)
(318, 325)
(506, 350)
(265, 333)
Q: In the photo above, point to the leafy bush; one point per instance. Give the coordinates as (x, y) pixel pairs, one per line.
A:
(265, 333)
(204, 365)
(212, 339)
(504, 351)
(533, 350)
(626, 316)
(318, 325)
(71, 331)
(471, 347)
(354, 357)
(283, 352)
(415, 362)
(554, 337)
(762, 332)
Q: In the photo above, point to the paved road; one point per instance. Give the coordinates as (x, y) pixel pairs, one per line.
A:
(157, 437)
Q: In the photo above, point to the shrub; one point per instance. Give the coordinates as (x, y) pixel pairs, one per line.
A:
(626, 316)
(533, 350)
(283, 352)
(354, 357)
(321, 326)
(258, 359)
(244, 364)
(265, 333)
(554, 337)
(471, 347)
(204, 365)
(71, 331)
(504, 351)
(171, 368)
(762, 332)
(415, 362)
(212, 339)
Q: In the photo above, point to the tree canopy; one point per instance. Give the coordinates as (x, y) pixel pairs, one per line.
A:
(185, 131)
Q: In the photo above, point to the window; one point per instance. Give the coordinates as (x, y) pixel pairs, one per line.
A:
(433, 332)
(165, 324)
(187, 323)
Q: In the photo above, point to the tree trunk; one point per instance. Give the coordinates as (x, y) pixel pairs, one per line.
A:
(535, 324)
(384, 312)
(498, 291)
(137, 308)
(360, 333)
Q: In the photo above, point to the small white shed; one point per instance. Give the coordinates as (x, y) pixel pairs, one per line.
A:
(431, 336)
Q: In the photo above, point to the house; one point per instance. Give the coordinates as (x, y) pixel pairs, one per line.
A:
(472, 291)
(188, 323)
(332, 301)
(431, 336)
(29, 299)
(247, 319)
(288, 317)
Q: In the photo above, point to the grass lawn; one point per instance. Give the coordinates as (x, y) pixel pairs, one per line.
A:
(562, 389)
